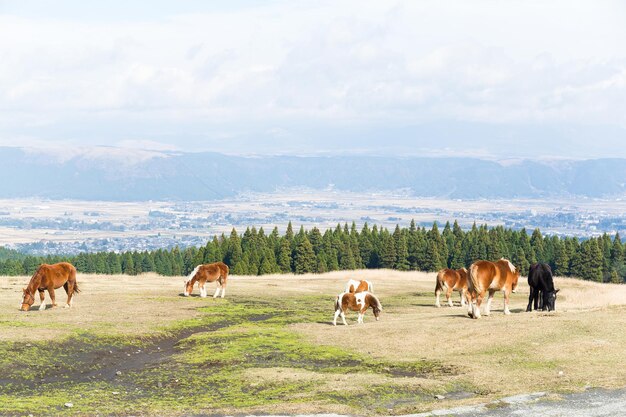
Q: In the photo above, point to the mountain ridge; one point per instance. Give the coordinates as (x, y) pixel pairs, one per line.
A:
(136, 175)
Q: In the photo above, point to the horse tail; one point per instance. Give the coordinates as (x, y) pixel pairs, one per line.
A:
(370, 286)
(72, 277)
(338, 302)
(472, 283)
(441, 282)
(224, 271)
(377, 303)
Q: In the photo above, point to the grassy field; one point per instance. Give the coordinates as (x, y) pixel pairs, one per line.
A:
(135, 346)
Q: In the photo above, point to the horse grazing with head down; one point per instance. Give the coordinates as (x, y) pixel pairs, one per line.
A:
(360, 302)
(217, 271)
(490, 276)
(50, 277)
(542, 290)
(451, 280)
(355, 286)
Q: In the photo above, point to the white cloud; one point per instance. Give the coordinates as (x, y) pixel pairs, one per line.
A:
(351, 62)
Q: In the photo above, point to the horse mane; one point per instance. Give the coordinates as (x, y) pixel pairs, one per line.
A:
(511, 266)
(33, 279)
(193, 273)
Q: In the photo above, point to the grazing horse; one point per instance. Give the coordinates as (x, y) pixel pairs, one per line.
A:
(451, 280)
(355, 286)
(217, 271)
(50, 277)
(360, 302)
(490, 276)
(542, 290)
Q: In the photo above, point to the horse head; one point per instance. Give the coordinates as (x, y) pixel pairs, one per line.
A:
(27, 300)
(549, 300)
(377, 307)
(188, 287)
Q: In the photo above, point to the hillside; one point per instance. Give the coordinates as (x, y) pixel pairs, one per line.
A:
(133, 175)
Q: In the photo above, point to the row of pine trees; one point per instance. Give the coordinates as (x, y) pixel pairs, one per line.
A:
(254, 252)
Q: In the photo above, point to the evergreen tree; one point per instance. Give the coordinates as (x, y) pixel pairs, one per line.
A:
(388, 251)
(304, 260)
(284, 256)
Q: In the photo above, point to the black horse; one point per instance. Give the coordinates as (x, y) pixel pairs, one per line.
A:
(542, 292)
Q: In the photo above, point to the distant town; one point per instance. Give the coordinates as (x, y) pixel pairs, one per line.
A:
(43, 227)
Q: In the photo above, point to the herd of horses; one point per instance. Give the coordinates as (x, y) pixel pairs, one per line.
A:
(480, 279)
(486, 276)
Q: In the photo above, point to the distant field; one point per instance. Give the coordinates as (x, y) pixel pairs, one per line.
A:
(72, 223)
(135, 346)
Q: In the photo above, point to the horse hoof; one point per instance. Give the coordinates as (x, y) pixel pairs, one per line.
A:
(42, 307)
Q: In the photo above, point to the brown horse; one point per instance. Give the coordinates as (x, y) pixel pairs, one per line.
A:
(451, 280)
(217, 271)
(50, 277)
(360, 302)
(490, 276)
(355, 286)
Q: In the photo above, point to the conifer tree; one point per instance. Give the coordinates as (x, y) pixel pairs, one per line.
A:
(304, 260)
(284, 256)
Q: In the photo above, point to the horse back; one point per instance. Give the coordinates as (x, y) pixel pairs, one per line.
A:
(213, 272)
(56, 274)
(540, 277)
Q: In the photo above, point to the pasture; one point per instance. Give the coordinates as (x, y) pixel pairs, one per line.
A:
(136, 346)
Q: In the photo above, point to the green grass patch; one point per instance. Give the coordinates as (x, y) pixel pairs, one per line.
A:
(202, 367)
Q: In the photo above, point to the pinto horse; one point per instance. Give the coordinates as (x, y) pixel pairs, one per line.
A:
(490, 276)
(355, 286)
(50, 277)
(217, 271)
(360, 302)
(451, 280)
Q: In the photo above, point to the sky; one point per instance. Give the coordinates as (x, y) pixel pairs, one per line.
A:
(514, 79)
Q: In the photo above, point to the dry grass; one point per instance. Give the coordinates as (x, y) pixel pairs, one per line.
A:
(583, 343)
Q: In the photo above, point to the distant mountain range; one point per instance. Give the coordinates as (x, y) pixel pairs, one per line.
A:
(132, 175)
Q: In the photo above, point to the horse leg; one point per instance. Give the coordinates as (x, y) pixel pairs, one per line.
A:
(343, 317)
(470, 304)
(462, 294)
(448, 296)
(223, 290)
(437, 295)
(507, 293)
(337, 312)
(52, 297)
(217, 290)
(530, 299)
(69, 289)
(489, 301)
(540, 300)
(476, 306)
(42, 297)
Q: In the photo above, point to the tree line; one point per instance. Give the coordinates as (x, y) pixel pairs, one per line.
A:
(345, 247)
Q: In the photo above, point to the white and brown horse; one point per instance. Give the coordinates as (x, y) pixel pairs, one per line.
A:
(50, 277)
(490, 276)
(451, 280)
(215, 272)
(360, 302)
(355, 286)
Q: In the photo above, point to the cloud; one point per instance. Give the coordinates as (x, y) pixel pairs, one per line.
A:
(353, 63)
